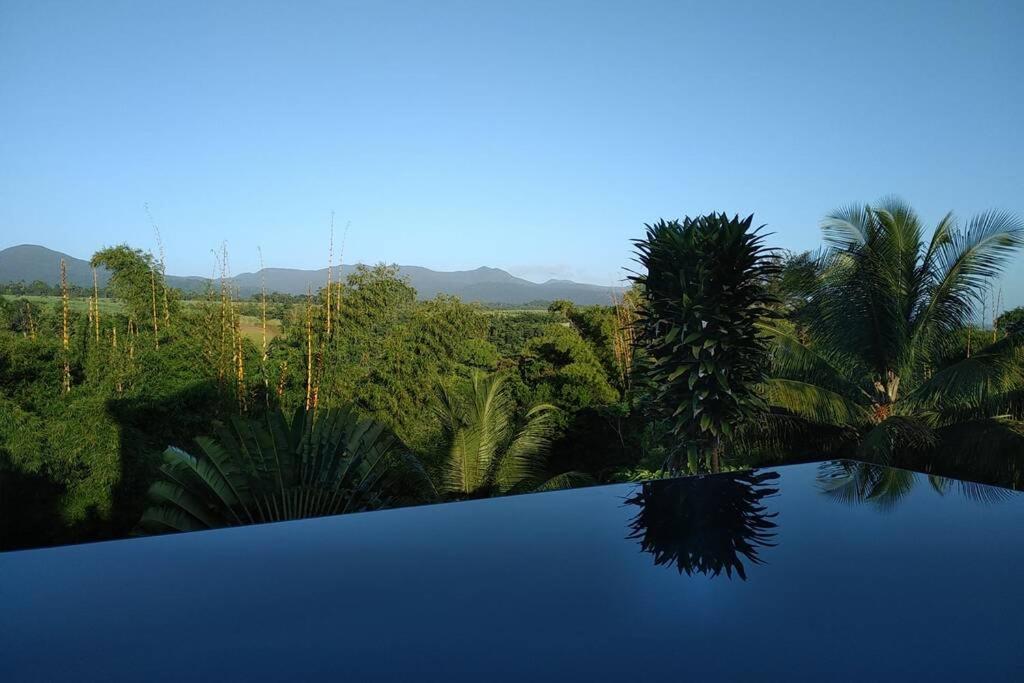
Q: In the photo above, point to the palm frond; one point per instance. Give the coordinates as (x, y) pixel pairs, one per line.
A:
(813, 402)
(848, 226)
(896, 438)
(776, 436)
(989, 448)
(486, 449)
(526, 455)
(983, 385)
(854, 483)
(965, 264)
(566, 480)
(792, 359)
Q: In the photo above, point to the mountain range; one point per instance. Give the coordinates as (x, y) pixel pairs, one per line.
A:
(29, 262)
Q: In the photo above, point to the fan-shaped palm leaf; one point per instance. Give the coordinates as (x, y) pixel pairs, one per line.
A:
(265, 469)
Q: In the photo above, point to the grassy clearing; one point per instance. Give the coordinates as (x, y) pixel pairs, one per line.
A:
(512, 311)
(252, 328)
(77, 304)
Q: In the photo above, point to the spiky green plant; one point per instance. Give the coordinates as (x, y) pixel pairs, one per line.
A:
(705, 285)
(269, 469)
(880, 361)
(486, 450)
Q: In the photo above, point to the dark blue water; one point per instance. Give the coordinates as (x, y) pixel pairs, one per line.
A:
(889, 576)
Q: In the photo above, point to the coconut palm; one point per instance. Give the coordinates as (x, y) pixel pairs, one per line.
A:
(879, 365)
(269, 469)
(485, 451)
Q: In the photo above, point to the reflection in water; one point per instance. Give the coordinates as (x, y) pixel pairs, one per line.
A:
(705, 524)
(884, 487)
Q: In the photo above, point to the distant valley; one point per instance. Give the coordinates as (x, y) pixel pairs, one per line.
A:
(29, 262)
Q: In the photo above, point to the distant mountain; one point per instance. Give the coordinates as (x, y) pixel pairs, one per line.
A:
(29, 262)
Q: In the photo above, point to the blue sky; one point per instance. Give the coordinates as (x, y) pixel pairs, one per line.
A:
(532, 136)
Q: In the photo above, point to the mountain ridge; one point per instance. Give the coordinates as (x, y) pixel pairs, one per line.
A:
(488, 285)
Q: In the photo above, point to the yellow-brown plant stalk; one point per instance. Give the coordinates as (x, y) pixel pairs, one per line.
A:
(156, 329)
(96, 304)
(31, 321)
(309, 350)
(623, 338)
(65, 334)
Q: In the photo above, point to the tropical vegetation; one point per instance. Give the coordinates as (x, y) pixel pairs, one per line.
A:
(270, 469)
(876, 364)
(134, 408)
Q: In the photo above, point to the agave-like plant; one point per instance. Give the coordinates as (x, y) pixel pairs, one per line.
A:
(879, 361)
(705, 284)
(486, 451)
(270, 469)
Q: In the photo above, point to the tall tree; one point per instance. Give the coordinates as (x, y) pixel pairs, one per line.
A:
(136, 279)
(705, 286)
(881, 360)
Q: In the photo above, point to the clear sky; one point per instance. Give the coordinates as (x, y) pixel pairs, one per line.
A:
(532, 136)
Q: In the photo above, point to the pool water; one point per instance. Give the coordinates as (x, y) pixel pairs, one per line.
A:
(818, 571)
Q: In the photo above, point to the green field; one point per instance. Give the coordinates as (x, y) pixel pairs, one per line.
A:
(78, 305)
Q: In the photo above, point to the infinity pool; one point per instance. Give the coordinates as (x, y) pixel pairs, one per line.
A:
(835, 571)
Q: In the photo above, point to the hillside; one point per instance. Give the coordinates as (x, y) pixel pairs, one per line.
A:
(486, 285)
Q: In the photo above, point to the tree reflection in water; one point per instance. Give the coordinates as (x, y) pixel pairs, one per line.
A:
(705, 525)
(855, 483)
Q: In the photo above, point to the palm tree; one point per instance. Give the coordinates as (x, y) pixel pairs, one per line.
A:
(269, 469)
(485, 452)
(878, 364)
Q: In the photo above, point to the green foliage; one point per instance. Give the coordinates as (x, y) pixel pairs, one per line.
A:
(510, 332)
(82, 463)
(270, 469)
(1012, 321)
(705, 284)
(561, 368)
(889, 300)
(135, 279)
(596, 325)
(883, 354)
(486, 450)
(871, 356)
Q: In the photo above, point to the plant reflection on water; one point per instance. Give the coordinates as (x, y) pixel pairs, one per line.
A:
(715, 523)
(706, 525)
(856, 483)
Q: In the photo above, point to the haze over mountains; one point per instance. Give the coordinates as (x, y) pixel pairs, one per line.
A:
(28, 262)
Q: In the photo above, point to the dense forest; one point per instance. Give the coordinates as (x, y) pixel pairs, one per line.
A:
(137, 410)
